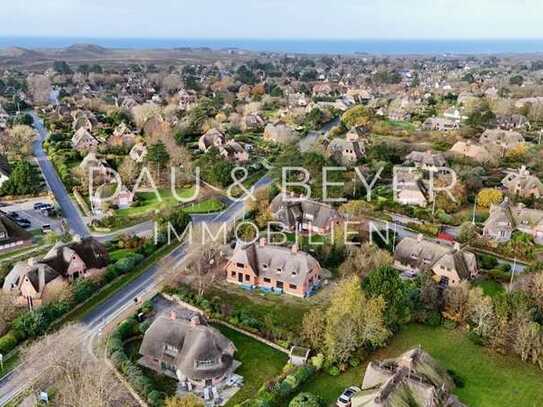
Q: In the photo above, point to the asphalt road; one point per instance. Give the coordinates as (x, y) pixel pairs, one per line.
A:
(69, 210)
(103, 314)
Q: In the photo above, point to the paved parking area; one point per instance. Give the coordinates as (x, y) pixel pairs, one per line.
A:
(37, 220)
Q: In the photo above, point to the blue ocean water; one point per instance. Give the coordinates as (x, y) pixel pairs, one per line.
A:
(324, 46)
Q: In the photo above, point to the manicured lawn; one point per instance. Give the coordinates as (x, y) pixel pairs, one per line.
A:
(148, 202)
(207, 206)
(491, 380)
(259, 363)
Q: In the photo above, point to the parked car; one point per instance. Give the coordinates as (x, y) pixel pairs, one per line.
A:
(46, 211)
(22, 222)
(46, 228)
(14, 216)
(345, 399)
(39, 205)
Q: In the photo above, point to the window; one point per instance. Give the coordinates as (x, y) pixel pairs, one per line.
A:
(292, 286)
(278, 269)
(279, 284)
(170, 349)
(233, 274)
(247, 277)
(267, 280)
(240, 265)
(264, 266)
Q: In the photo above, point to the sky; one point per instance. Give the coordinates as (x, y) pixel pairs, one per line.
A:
(274, 19)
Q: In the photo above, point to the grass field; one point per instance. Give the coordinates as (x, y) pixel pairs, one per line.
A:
(491, 380)
(259, 363)
(207, 206)
(148, 202)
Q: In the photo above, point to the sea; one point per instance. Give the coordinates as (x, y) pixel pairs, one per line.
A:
(309, 46)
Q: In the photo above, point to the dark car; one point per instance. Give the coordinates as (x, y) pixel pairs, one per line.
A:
(24, 223)
(39, 205)
(14, 215)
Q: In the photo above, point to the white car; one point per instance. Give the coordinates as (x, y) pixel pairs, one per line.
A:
(345, 399)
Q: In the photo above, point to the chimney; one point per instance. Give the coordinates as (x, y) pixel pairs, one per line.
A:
(262, 242)
(294, 248)
(456, 246)
(173, 315)
(77, 238)
(420, 237)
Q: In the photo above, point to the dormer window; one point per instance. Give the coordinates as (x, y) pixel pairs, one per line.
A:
(264, 266)
(170, 349)
(278, 270)
(414, 256)
(294, 273)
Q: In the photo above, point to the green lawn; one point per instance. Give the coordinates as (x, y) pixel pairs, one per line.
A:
(490, 287)
(148, 202)
(491, 380)
(259, 363)
(120, 254)
(207, 206)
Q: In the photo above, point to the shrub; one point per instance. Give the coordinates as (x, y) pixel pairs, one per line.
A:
(333, 371)
(317, 361)
(83, 289)
(7, 342)
(458, 381)
(305, 400)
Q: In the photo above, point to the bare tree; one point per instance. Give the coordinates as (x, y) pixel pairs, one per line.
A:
(19, 141)
(142, 113)
(40, 88)
(206, 267)
(60, 360)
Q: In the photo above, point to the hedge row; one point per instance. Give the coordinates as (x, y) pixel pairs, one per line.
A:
(276, 392)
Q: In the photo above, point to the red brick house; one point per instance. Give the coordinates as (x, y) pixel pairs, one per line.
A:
(274, 269)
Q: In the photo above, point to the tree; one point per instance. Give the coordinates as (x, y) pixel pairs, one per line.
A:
(185, 401)
(480, 312)
(467, 232)
(489, 196)
(9, 310)
(356, 116)
(385, 282)
(129, 171)
(305, 400)
(157, 154)
(516, 80)
(18, 142)
(62, 68)
(456, 299)
(353, 320)
(78, 379)
(40, 88)
(23, 180)
(206, 266)
(364, 259)
(142, 113)
(313, 328)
